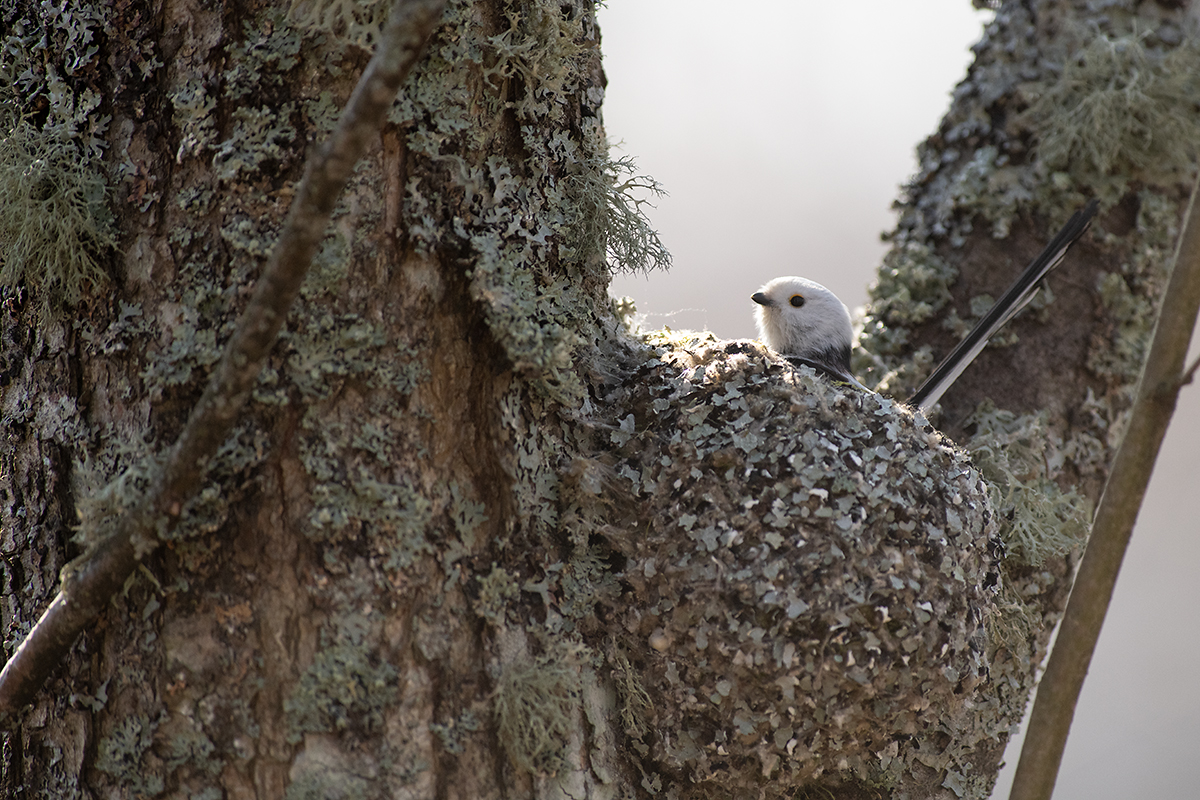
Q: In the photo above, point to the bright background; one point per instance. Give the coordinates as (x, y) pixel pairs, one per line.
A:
(782, 131)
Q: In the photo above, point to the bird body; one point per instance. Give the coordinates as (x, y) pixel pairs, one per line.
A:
(806, 323)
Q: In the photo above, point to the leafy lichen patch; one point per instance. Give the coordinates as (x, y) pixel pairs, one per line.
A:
(121, 751)
(346, 688)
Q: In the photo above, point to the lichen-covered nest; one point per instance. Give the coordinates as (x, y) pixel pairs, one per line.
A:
(810, 588)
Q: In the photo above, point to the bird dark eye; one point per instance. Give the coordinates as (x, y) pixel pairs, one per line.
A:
(797, 300)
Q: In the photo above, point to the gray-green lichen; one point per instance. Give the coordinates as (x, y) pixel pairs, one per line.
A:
(316, 781)
(260, 135)
(120, 754)
(1016, 455)
(56, 228)
(262, 58)
(357, 23)
(48, 63)
(912, 287)
(536, 705)
(636, 705)
(193, 106)
(346, 688)
(113, 483)
(104, 500)
(452, 733)
(610, 218)
(563, 204)
(1121, 105)
(191, 749)
(1112, 103)
(497, 591)
(55, 225)
(468, 515)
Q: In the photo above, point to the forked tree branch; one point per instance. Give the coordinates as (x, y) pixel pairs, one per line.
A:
(91, 580)
(1157, 393)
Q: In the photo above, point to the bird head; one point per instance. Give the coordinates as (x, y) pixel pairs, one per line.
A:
(797, 317)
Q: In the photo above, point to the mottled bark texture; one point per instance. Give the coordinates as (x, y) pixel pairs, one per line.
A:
(89, 582)
(472, 539)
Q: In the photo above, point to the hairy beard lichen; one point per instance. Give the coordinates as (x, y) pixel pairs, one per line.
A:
(54, 222)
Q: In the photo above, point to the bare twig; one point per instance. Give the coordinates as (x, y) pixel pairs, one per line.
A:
(1158, 390)
(91, 580)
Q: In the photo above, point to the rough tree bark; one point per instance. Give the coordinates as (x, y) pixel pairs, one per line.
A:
(473, 539)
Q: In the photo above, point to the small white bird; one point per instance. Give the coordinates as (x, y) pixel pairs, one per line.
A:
(806, 323)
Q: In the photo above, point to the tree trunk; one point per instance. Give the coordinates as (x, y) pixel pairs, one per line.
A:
(1059, 107)
(472, 538)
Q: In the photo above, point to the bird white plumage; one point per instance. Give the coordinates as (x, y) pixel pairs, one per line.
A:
(803, 320)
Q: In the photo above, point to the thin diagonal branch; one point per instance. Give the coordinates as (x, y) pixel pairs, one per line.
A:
(1190, 373)
(1157, 393)
(91, 580)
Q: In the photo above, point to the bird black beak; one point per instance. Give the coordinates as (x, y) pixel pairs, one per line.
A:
(761, 299)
